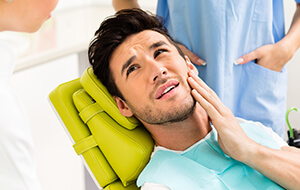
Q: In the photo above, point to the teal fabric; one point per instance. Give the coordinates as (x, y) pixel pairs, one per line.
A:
(222, 31)
(206, 166)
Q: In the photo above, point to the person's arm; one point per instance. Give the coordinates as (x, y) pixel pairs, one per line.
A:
(125, 4)
(281, 166)
(275, 56)
(193, 57)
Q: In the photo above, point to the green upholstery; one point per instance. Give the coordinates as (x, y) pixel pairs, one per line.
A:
(118, 185)
(115, 149)
(96, 89)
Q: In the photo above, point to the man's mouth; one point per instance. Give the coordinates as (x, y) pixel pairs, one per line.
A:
(166, 89)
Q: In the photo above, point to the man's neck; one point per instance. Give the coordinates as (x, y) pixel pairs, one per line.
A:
(182, 135)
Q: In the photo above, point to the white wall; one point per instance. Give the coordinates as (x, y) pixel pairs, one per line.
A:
(64, 4)
(293, 95)
(59, 167)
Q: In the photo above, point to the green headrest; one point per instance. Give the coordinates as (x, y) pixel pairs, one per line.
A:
(126, 151)
(115, 148)
(100, 94)
(84, 144)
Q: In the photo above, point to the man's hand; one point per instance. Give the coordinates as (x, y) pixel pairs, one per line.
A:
(273, 56)
(231, 136)
(193, 57)
(281, 166)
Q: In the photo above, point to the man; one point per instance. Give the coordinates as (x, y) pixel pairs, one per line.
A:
(150, 78)
(230, 31)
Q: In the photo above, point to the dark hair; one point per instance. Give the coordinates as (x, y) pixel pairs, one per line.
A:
(112, 32)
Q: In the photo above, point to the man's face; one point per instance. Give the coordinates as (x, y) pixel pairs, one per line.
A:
(151, 75)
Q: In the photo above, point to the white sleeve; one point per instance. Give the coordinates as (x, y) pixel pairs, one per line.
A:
(269, 130)
(154, 186)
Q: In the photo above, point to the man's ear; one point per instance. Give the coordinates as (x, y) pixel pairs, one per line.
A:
(123, 107)
(190, 65)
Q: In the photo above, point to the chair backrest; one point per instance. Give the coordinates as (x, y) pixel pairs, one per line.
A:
(114, 148)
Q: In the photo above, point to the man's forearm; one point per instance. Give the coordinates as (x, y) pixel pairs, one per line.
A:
(125, 4)
(281, 166)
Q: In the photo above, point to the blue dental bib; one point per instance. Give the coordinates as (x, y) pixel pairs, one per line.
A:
(206, 166)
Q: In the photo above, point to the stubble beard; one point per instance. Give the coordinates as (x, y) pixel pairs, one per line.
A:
(178, 113)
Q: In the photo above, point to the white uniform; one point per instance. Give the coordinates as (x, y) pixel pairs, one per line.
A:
(17, 163)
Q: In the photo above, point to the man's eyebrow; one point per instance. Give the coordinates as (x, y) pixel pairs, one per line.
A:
(157, 44)
(130, 60)
(127, 63)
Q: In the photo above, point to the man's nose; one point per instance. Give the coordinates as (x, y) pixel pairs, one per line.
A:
(158, 71)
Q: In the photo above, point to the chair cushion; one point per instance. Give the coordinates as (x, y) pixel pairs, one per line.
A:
(100, 94)
(112, 153)
(127, 151)
(118, 186)
(80, 135)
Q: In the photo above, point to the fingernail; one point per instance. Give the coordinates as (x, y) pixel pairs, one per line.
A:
(201, 62)
(192, 72)
(238, 61)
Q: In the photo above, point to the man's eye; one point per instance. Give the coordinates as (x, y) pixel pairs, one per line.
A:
(131, 69)
(158, 52)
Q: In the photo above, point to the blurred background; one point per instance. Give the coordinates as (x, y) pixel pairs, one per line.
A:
(57, 54)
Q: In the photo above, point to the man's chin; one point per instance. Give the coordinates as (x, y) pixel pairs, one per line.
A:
(179, 113)
(186, 113)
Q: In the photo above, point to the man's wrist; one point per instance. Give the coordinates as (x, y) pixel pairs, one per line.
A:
(253, 153)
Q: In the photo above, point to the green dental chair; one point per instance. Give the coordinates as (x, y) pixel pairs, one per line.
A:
(114, 149)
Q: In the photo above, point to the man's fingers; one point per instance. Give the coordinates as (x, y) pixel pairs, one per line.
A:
(206, 93)
(210, 109)
(193, 57)
(198, 80)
